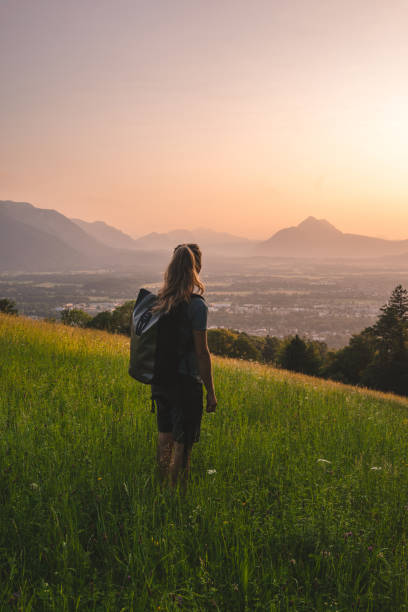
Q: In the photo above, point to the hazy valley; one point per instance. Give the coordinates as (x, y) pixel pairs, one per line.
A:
(49, 262)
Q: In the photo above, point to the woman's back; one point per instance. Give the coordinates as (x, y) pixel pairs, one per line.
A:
(194, 317)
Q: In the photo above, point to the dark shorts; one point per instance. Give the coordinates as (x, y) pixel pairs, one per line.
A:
(180, 409)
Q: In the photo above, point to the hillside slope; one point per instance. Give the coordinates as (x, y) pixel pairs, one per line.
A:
(35, 239)
(111, 236)
(24, 248)
(297, 499)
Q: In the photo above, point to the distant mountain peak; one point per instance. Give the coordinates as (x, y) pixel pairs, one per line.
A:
(311, 223)
(319, 238)
(310, 219)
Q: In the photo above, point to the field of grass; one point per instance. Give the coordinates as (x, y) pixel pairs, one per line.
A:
(298, 498)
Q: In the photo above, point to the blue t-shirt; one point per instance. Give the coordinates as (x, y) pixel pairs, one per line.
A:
(196, 318)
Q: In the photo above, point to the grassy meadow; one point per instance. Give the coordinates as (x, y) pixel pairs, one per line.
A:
(298, 497)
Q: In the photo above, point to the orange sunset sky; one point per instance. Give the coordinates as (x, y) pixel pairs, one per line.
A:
(240, 116)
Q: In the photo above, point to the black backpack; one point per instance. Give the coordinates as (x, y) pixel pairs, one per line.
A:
(154, 340)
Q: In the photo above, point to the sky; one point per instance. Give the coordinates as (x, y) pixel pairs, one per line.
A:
(243, 117)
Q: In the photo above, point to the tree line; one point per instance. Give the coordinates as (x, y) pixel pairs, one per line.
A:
(376, 358)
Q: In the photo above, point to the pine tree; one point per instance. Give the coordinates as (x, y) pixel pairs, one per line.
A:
(397, 304)
(270, 349)
(391, 328)
(389, 369)
(294, 355)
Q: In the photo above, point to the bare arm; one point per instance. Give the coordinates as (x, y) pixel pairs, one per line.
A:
(204, 367)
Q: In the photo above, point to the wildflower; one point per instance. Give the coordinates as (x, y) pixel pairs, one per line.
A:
(347, 534)
(376, 468)
(293, 561)
(99, 477)
(211, 471)
(323, 461)
(370, 549)
(34, 486)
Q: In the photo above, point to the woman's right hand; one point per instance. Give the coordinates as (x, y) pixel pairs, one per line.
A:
(211, 402)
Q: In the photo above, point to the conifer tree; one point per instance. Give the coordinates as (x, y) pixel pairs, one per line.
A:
(391, 328)
(389, 368)
(398, 304)
(270, 349)
(294, 355)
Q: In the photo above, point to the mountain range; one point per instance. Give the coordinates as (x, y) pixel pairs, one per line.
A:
(311, 238)
(34, 239)
(207, 238)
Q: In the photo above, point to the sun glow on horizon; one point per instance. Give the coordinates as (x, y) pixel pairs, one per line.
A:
(243, 119)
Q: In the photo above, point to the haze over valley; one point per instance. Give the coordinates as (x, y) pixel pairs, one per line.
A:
(310, 279)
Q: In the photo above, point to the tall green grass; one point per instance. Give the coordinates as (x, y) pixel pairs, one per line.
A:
(298, 498)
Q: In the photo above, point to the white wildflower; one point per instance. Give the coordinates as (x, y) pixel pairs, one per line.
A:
(376, 468)
(211, 471)
(34, 486)
(323, 461)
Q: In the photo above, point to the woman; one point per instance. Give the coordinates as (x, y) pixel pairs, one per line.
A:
(180, 403)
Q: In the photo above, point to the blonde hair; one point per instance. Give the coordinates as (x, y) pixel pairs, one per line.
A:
(180, 278)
